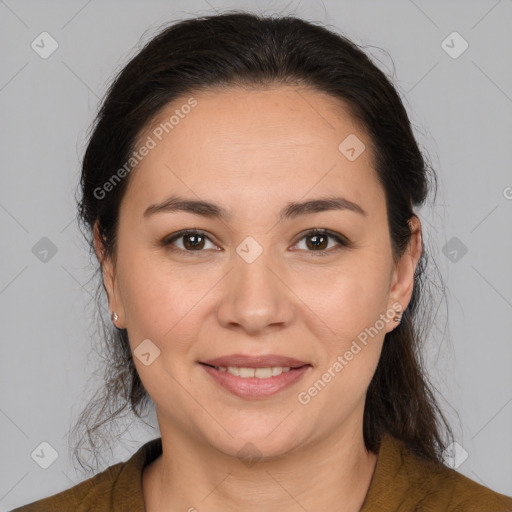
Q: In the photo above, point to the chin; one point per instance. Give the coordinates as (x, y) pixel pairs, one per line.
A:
(256, 443)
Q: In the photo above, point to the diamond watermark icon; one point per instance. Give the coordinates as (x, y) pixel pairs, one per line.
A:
(44, 250)
(454, 249)
(454, 45)
(146, 352)
(454, 455)
(44, 45)
(249, 454)
(351, 147)
(249, 249)
(44, 455)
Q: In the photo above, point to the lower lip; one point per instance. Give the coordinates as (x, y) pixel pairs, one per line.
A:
(252, 387)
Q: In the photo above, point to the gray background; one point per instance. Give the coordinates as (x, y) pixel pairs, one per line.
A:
(460, 107)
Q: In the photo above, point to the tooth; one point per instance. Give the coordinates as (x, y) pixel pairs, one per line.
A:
(260, 373)
(246, 372)
(263, 373)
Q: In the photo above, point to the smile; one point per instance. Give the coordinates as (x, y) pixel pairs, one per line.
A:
(260, 373)
(255, 383)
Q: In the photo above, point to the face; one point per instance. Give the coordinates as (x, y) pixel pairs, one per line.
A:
(257, 280)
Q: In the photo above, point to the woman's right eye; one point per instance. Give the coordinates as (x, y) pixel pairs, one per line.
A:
(191, 241)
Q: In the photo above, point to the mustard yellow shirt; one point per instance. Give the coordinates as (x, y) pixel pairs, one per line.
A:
(401, 482)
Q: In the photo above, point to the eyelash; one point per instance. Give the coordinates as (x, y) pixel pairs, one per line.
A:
(342, 241)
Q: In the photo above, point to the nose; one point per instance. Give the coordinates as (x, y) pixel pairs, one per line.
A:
(255, 298)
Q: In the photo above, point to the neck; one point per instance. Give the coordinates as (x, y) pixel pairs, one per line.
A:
(331, 474)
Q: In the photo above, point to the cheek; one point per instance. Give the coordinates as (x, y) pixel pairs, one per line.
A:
(347, 304)
(155, 299)
(349, 350)
(346, 299)
(343, 383)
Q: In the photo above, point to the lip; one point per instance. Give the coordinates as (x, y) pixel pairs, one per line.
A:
(261, 361)
(253, 387)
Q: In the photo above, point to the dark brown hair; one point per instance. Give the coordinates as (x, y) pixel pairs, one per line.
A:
(239, 49)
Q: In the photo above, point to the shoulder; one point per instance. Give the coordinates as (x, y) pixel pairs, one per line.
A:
(405, 481)
(119, 484)
(468, 496)
(94, 491)
(441, 486)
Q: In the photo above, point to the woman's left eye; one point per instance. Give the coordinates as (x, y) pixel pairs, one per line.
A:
(317, 241)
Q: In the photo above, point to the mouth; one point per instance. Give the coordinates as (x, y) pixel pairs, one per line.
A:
(252, 382)
(259, 361)
(258, 372)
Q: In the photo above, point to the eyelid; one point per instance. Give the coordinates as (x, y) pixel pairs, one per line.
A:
(340, 239)
(168, 240)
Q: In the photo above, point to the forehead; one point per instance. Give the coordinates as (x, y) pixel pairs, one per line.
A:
(255, 117)
(264, 142)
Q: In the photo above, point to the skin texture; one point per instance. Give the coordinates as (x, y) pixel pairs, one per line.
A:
(253, 151)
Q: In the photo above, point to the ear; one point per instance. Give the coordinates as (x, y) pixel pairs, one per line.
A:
(109, 280)
(402, 282)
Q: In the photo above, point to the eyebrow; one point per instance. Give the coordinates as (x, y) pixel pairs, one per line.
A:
(290, 211)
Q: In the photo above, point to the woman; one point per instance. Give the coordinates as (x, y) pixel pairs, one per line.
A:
(249, 190)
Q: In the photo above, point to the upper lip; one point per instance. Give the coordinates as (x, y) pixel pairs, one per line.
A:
(262, 361)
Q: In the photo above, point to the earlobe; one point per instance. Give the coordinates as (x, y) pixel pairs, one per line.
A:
(107, 276)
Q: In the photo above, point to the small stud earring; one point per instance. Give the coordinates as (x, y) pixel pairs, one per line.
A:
(114, 317)
(397, 319)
